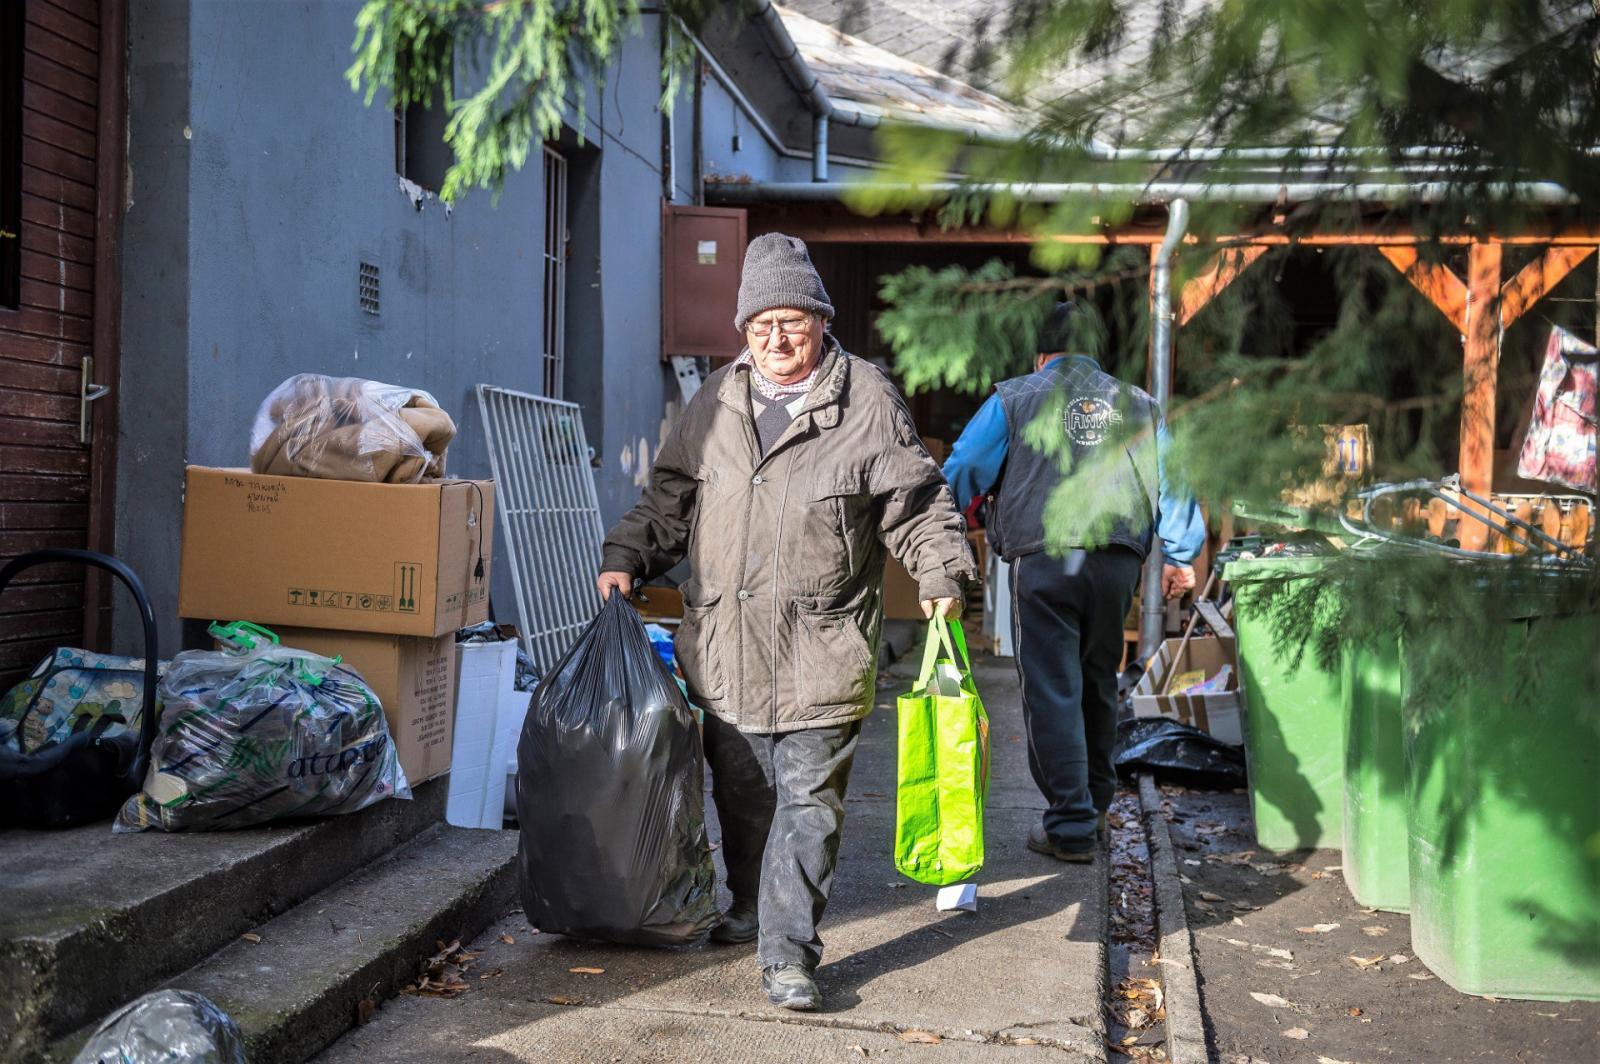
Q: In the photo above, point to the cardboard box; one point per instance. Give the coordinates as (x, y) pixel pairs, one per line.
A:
(414, 678)
(1218, 713)
(489, 714)
(901, 599)
(399, 559)
(1346, 467)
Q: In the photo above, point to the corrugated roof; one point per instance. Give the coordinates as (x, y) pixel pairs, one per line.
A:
(882, 82)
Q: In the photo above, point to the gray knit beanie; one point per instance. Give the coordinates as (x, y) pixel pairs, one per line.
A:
(778, 273)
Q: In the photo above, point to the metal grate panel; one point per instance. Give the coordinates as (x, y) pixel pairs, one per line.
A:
(549, 515)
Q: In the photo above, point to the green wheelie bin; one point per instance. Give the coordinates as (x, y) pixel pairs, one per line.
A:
(1503, 807)
(1375, 857)
(1293, 718)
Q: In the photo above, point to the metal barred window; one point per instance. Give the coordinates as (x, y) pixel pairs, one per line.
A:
(555, 273)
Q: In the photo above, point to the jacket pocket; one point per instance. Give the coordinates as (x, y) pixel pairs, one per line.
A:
(833, 663)
(700, 651)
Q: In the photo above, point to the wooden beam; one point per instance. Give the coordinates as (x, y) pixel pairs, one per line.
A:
(1442, 287)
(1482, 370)
(1535, 280)
(1219, 273)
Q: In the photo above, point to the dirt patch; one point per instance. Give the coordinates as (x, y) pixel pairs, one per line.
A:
(1292, 969)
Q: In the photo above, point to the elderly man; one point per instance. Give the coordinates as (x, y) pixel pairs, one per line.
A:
(784, 482)
(1070, 597)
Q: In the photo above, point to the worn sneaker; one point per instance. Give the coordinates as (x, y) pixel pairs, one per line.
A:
(1039, 842)
(790, 986)
(739, 925)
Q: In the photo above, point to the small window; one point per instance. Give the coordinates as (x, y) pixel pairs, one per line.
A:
(10, 153)
(420, 153)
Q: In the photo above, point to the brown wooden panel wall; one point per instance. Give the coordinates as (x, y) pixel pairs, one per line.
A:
(45, 471)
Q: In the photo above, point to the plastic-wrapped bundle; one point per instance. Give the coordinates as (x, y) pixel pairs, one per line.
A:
(346, 428)
(165, 1027)
(262, 732)
(610, 795)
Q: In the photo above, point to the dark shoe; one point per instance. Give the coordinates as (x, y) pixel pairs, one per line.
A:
(1039, 842)
(739, 925)
(790, 986)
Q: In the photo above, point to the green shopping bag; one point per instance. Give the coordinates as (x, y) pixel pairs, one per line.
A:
(944, 766)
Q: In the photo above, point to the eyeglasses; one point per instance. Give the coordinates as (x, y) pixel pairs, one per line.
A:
(790, 327)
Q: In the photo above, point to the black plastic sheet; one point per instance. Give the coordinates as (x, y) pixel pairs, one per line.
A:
(1175, 751)
(610, 795)
(165, 1027)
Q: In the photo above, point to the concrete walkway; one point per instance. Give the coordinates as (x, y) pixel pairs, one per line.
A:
(1022, 979)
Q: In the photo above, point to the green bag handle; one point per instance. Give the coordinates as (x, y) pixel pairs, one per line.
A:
(241, 634)
(940, 635)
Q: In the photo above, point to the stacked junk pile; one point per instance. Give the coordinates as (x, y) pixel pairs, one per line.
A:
(1478, 815)
(346, 667)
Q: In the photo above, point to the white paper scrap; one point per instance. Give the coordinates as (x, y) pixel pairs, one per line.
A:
(963, 897)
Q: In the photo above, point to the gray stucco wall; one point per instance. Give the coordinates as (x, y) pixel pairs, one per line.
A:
(260, 182)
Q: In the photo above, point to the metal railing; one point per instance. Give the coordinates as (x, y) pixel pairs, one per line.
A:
(549, 515)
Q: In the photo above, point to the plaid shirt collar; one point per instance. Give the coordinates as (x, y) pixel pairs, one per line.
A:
(776, 391)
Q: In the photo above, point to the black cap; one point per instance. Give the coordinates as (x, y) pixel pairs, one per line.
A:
(1055, 333)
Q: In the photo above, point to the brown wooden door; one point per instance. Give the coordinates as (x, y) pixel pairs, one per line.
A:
(61, 96)
(702, 256)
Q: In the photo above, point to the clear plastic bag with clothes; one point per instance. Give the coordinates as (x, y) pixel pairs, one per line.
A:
(165, 1027)
(610, 795)
(262, 732)
(347, 428)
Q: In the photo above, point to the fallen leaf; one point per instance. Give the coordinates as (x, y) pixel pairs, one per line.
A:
(1420, 977)
(1205, 907)
(1297, 1033)
(366, 1008)
(1317, 929)
(1374, 930)
(1270, 1000)
(858, 1049)
(1398, 958)
(1024, 1041)
(251, 936)
(1367, 962)
(587, 971)
(1491, 997)
(492, 973)
(560, 1000)
(1208, 896)
(1136, 1017)
(1353, 1011)
(508, 940)
(1329, 1060)
(923, 1038)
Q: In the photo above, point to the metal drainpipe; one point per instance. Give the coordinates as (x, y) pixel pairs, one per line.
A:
(1152, 614)
(819, 148)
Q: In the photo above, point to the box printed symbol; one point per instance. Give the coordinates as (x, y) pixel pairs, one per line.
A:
(406, 575)
(297, 596)
(366, 602)
(330, 599)
(314, 595)
(385, 602)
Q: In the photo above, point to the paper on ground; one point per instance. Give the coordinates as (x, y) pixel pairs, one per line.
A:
(963, 897)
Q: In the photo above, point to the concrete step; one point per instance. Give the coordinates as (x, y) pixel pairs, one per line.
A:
(303, 984)
(89, 920)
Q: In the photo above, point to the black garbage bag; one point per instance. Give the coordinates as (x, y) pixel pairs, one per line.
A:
(165, 1027)
(1174, 751)
(610, 795)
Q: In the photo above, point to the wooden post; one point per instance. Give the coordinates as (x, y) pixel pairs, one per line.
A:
(1220, 272)
(1482, 370)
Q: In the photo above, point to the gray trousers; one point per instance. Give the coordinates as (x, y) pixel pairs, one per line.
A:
(780, 800)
